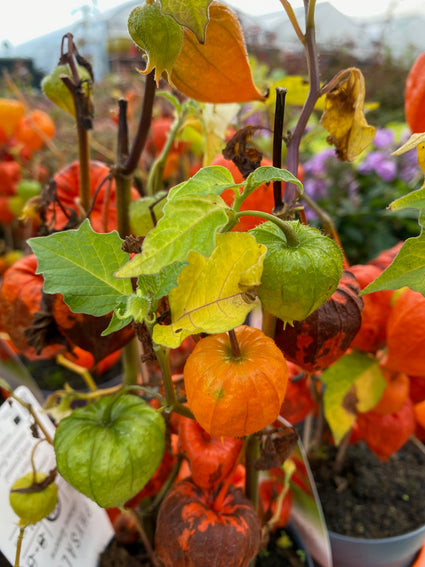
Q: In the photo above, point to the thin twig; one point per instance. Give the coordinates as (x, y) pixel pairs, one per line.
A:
(145, 540)
(293, 19)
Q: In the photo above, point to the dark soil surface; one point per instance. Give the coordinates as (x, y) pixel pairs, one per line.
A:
(370, 498)
(284, 550)
(117, 555)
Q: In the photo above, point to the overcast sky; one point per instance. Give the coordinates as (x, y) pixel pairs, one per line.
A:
(23, 20)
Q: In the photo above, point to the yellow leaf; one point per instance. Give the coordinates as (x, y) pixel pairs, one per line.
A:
(214, 294)
(344, 118)
(218, 70)
(417, 141)
(369, 388)
(297, 88)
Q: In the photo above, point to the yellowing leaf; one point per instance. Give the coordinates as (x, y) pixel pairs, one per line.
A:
(369, 388)
(214, 294)
(352, 383)
(415, 141)
(159, 35)
(217, 71)
(343, 116)
(192, 15)
(297, 88)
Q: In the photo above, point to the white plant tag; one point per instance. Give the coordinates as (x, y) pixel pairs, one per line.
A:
(76, 531)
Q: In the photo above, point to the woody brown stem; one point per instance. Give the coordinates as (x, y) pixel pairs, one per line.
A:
(236, 351)
(144, 125)
(277, 145)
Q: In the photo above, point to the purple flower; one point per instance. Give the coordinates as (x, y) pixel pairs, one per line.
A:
(386, 169)
(317, 164)
(315, 188)
(383, 138)
(408, 166)
(381, 163)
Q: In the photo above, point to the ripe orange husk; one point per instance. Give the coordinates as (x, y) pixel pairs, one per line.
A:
(384, 259)
(103, 216)
(376, 310)
(20, 300)
(34, 129)
(211, 459)
(298, 402)
(414, 95)
(260, 200)
(386, 434)
(395, 392)
(192, 524)
(234, 397)
(10, 175)
(406, 334)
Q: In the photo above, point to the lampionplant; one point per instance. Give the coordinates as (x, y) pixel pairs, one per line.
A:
(265, 307)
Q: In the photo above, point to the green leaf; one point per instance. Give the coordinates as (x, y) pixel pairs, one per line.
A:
(407, 269)
(116, 324)
(155, 286)
(189, 223)
(214, 294)
(192, 15)
(354, 383)
(80, 264)
(141, 220)
(159, 35)
(413, 200)
(211, 180)
(267, 173)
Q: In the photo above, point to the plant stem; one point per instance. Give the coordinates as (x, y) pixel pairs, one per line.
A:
(252, 451)
(157, 169)
(29, 408)
(130, 357)
(122, 180)
(327, 223)
(342, 450)
(80, 370)
(292, 18)
(290, 234)
(170, 394)
(277, 145)
(269, 324)
(291, 192)
(144, 125)
(236, 351)
(19, 545)
(82, 118)
(123, 192)
(145, 540)
(84, 159)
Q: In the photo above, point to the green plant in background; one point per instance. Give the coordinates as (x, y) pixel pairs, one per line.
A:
(357, 195)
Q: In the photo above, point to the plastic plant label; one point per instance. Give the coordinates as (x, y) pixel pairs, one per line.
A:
(77, 531)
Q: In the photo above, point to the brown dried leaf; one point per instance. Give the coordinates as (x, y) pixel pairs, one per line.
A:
(246, 158)
(276, 447)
